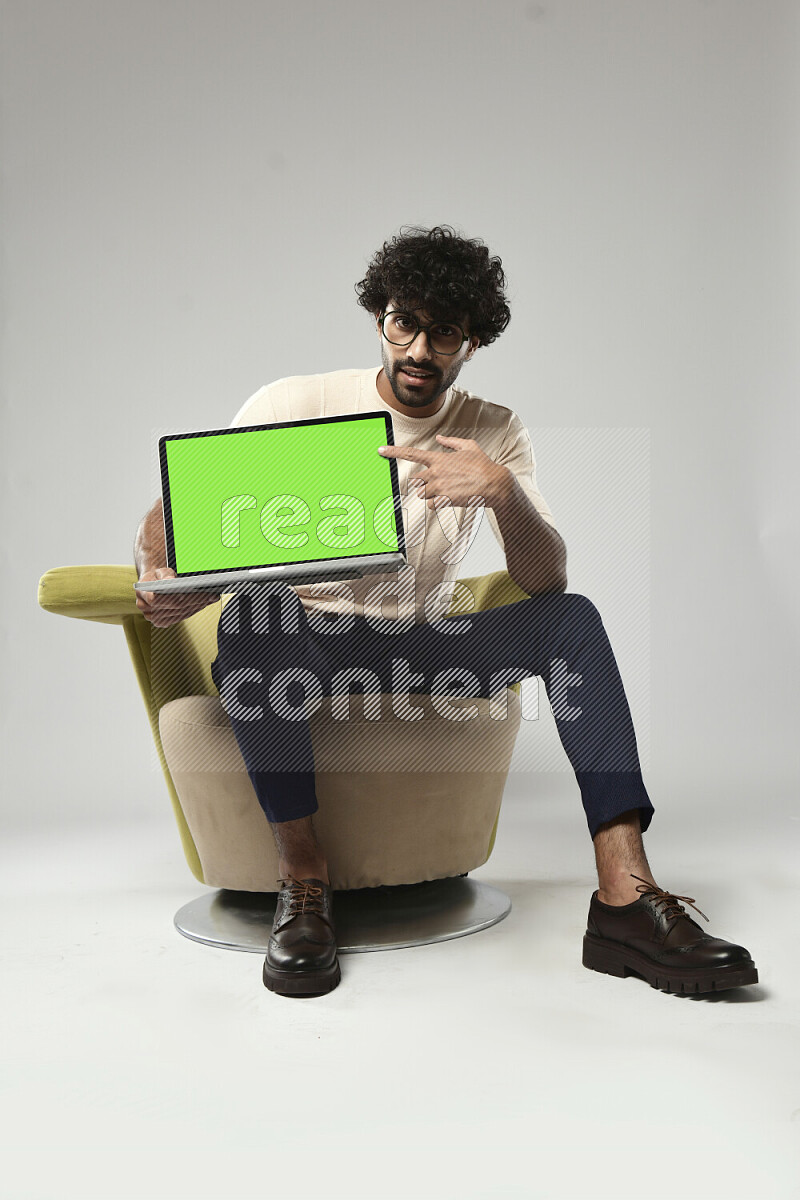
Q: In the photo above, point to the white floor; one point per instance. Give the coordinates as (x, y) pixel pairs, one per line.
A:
(137, 1064)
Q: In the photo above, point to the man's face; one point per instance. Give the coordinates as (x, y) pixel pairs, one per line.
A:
(417, 375)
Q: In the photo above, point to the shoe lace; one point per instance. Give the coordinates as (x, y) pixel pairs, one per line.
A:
(303, 896)
(672, 907)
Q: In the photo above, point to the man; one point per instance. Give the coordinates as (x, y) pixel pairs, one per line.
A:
(436, 298)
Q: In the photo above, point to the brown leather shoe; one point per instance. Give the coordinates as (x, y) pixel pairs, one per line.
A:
(656, 938)
(301, 958)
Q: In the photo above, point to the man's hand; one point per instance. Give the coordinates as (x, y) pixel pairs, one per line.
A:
(459, 476)
(167, 608)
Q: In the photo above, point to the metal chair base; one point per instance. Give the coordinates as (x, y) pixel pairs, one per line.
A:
(382, 918)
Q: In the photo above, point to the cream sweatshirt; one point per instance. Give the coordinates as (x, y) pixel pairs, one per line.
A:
(436, 540)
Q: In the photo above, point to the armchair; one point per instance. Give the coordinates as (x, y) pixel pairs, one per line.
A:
(399, 837)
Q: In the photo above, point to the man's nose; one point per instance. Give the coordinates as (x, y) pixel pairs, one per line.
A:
(420, 349)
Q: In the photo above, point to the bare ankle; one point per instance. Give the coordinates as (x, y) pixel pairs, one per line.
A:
(299, 852)
(623, 888)
(620, 855)
(304, 870)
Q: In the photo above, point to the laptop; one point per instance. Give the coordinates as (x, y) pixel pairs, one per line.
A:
(300, 502)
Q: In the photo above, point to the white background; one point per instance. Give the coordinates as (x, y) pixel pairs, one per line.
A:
(190, 190)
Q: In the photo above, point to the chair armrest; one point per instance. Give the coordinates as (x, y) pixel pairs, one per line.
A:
(105, 593)
(490, 591)
(98, 593)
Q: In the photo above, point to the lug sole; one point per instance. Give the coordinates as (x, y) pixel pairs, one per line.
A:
(301, 983)
(613, 959)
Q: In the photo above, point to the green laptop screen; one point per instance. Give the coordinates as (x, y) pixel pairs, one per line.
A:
(297, 493)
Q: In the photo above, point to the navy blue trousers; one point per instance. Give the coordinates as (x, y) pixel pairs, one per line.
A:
(274, 663)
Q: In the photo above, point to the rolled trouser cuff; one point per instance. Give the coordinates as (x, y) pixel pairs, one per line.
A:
(608, 794)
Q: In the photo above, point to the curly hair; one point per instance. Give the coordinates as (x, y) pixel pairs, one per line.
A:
(445, 275)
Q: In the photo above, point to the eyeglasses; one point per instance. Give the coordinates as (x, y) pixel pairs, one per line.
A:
(401, 328)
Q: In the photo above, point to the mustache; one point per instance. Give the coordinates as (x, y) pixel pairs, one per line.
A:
(415, 366)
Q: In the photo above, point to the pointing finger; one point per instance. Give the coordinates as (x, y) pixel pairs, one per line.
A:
(409, 453)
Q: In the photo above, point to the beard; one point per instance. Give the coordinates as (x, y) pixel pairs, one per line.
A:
(439, 382)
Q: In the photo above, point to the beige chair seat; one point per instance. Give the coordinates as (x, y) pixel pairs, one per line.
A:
(399, 801)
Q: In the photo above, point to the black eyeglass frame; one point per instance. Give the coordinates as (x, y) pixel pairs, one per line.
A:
(399, 312)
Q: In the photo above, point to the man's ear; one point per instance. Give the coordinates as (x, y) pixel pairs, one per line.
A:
(474, 343)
